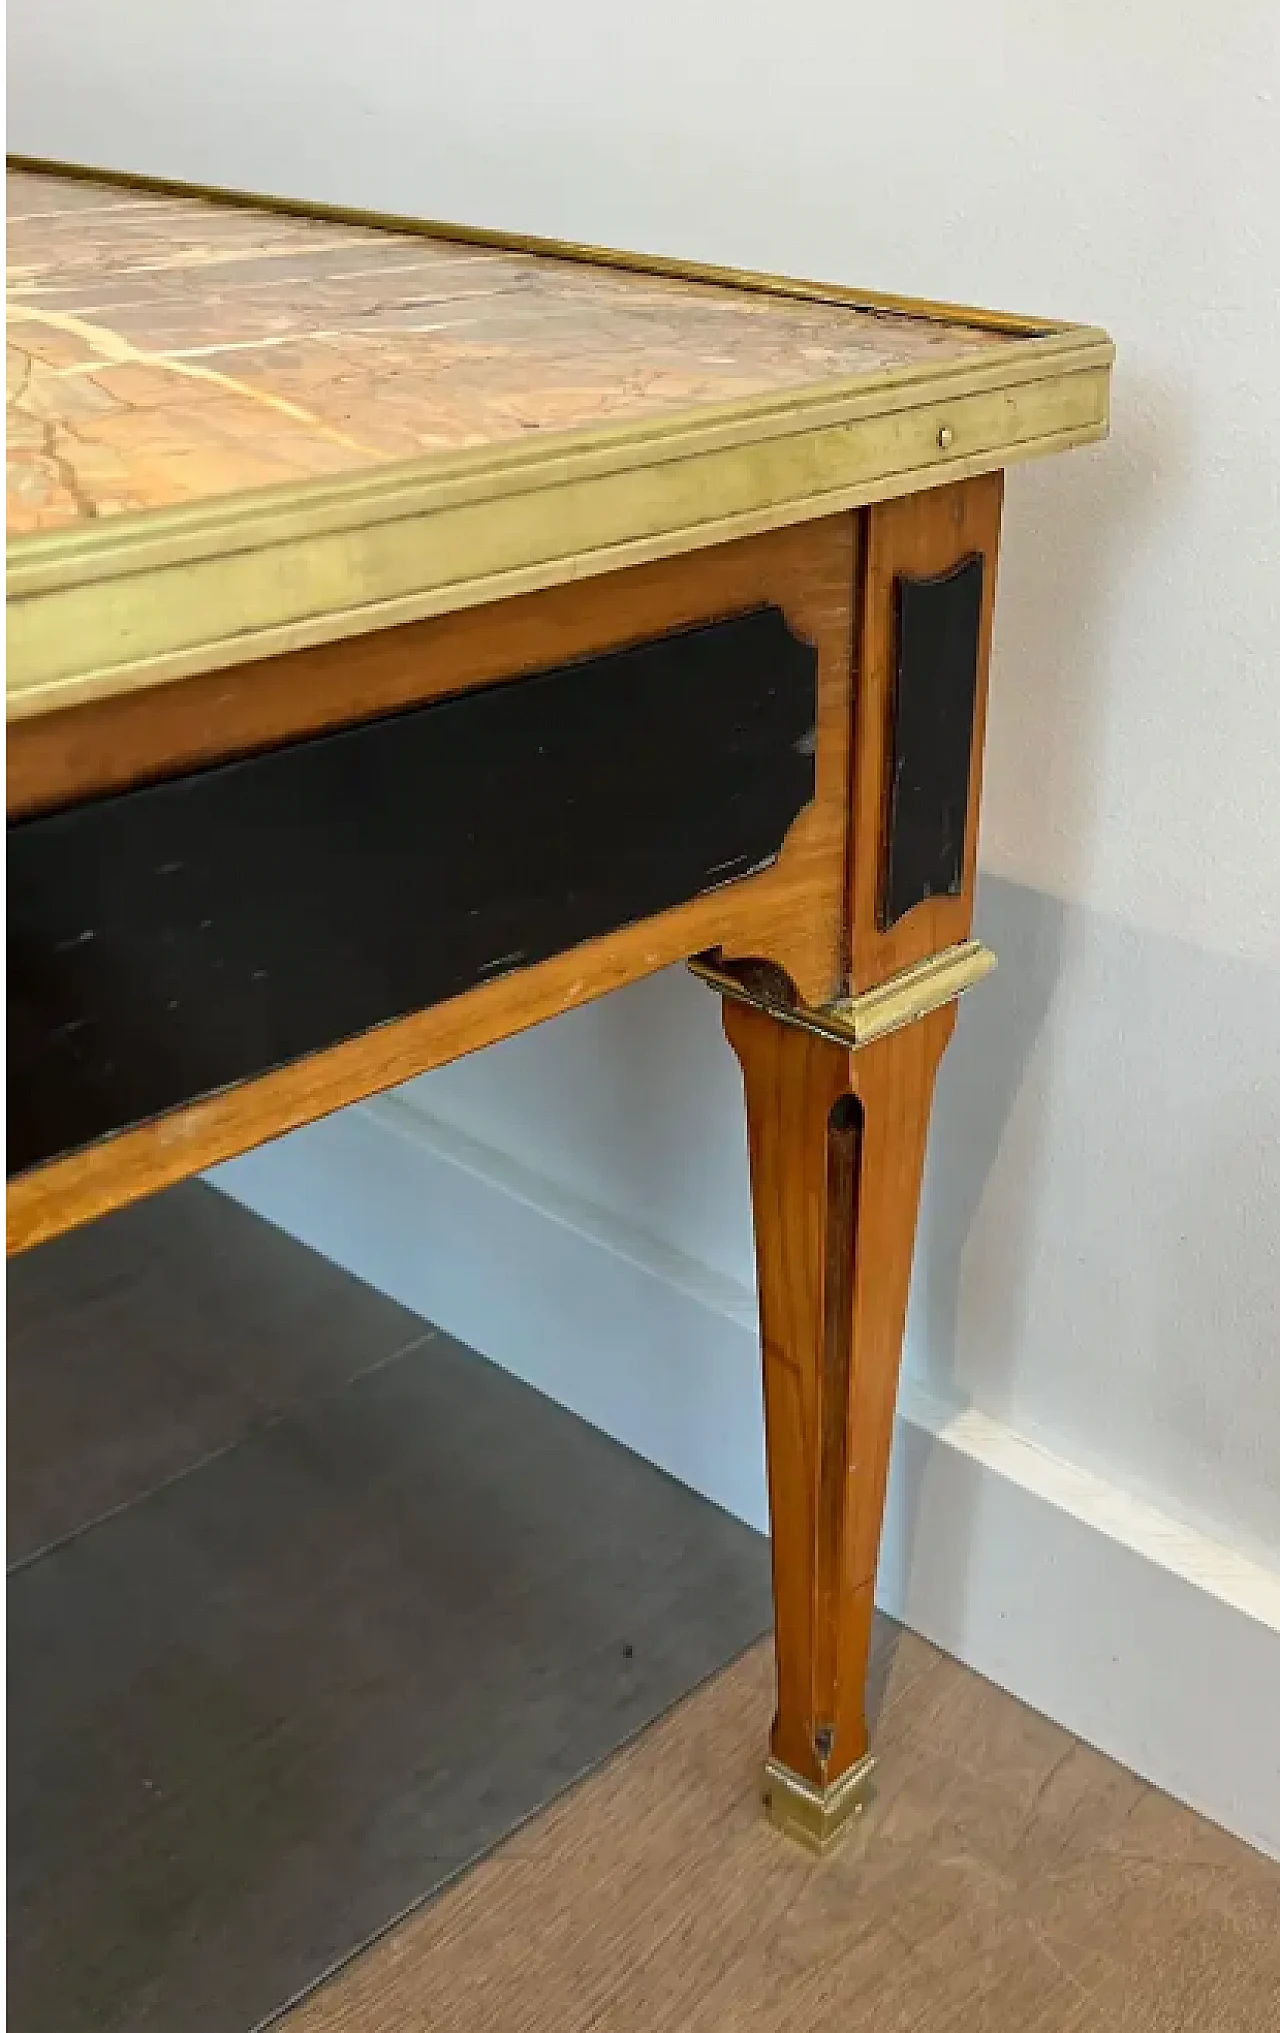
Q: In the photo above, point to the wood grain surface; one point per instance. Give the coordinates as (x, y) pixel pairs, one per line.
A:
(837, 1142)
(1007, 1879)
(165, 349)
(791, 914)
(921, 534)
(807, 570)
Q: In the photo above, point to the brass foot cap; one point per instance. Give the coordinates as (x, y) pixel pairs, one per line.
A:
(817, 1816)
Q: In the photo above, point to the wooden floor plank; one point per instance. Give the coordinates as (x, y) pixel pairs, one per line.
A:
(1007, 1878)
(332, 1604)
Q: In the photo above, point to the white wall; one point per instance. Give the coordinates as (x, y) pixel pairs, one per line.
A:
(1100, 1253)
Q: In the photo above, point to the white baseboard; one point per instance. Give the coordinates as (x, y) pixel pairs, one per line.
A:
(1141, 1635)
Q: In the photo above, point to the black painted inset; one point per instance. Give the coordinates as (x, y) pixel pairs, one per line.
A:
(938, 623)
(179, 938)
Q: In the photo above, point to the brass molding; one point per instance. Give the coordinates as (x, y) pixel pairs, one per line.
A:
(816, 1815)
(152, 597)
(858, 1020)
(145, 599)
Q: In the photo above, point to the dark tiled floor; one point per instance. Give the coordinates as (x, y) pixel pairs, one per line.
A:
(327, 1605)
(144, 1343)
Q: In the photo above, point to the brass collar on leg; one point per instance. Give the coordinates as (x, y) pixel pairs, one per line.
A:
(857, 1020)
(816, 1815)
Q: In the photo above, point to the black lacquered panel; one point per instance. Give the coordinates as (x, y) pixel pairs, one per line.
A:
(939, 623)
(189, 935)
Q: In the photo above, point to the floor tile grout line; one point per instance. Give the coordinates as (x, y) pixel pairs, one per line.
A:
(268, 1423)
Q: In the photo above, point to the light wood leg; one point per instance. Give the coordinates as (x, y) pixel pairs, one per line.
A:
(837, 1141)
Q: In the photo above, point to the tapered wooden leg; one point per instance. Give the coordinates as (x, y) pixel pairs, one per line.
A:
(837, 1141)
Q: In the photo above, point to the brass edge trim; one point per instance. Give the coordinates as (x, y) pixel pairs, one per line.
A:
(455, 541)
(31, 692)
(858, 1020)
(562, 250)
(816, 1815)
(37, 560)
